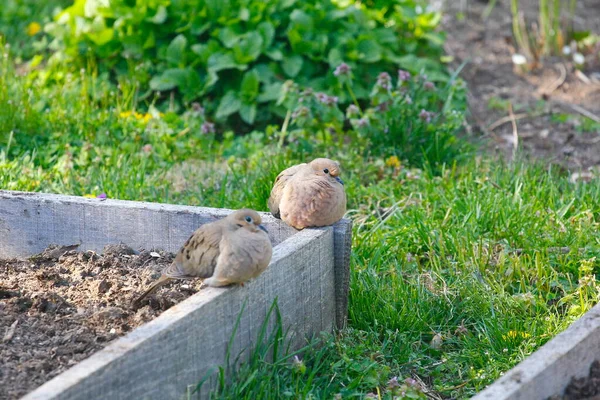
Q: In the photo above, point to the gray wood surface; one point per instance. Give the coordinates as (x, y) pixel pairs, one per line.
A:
(549, 370)
(31, 221)
(308, 276)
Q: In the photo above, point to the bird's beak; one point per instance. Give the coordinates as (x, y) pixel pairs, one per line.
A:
(263, 228)
(337, 178)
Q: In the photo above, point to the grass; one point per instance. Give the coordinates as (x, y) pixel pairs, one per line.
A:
(471, 257)
(456, 275)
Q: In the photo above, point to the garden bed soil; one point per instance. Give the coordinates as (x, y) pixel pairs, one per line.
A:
(61, 306)
(487, 46)
(586, 388)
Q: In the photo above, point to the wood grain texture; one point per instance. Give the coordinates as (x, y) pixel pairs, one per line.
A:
(342, 238)
(31, 221)
(307, 275)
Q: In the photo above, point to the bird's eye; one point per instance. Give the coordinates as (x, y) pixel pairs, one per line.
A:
(326, 170)
(249, 220)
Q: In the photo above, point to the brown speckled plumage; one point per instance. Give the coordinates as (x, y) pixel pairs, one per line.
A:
(231, 250)
(308, 195)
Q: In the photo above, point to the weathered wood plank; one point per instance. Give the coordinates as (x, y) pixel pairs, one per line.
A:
(29, 222)
(549, 370)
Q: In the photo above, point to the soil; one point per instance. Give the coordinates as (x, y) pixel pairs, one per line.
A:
(67, 305)
(552, 87)
(586, 388)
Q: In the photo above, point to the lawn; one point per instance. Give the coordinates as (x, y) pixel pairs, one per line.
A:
(462, 263)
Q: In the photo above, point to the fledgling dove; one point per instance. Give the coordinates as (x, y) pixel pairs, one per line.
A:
(307, 195)
(231, 250)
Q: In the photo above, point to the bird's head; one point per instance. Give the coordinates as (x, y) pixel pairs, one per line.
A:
(247, 219)
(328, 168)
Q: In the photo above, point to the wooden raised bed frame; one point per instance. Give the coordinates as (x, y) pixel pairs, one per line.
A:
(308, 275)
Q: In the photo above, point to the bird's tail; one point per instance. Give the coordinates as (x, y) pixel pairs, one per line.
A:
(161, 281)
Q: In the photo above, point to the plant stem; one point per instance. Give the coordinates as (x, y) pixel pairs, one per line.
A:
(514, 9)
(559, 36)
(284, 127)
(351, 92)
(488, 10)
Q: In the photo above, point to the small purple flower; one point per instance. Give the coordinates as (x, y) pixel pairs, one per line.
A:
(342, 69)
(408, 100)
(412, 383)
(147, 148)
(197, 108)
(384, 80)
(403, 75)
(361, 123)
(426, 115)
(393, 383)
(429, 85)
(352, 111)
(101, 196)
(423, 77)
(325, 99)
(207, 127)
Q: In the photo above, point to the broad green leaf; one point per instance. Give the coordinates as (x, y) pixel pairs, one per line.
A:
(170, 79)
(267, 31)
(211, 79)
(386, 36)
(229, 104)
(248, 48)
(228, 37)
(101, 37)
(292, 65)
(249, 86)
(335, 57)
(221, 61)
(244, 14)
(205, 50)
(193, 86)
(302, 19)
(369, 51)
(176, 50)
(161, 15)
(150, 41)
(274, 54)
(92, 7)
(199, 28)
(248, 112)
(265, 73)
(270, 93)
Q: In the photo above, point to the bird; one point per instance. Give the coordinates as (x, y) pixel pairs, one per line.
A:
(309, 194)
(228, 251)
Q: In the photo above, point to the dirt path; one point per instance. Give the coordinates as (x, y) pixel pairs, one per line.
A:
(548, 103)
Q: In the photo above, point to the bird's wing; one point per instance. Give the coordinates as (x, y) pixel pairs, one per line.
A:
(279, 185)
(198, 256)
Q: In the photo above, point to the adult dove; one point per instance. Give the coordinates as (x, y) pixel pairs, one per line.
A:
(231, 250)
(308, 195)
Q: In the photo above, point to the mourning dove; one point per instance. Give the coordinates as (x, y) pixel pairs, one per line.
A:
(308, 195)
(231, 250)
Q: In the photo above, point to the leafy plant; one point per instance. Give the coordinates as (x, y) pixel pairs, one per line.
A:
(550, 35)
(415, 119)
(235, 54)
